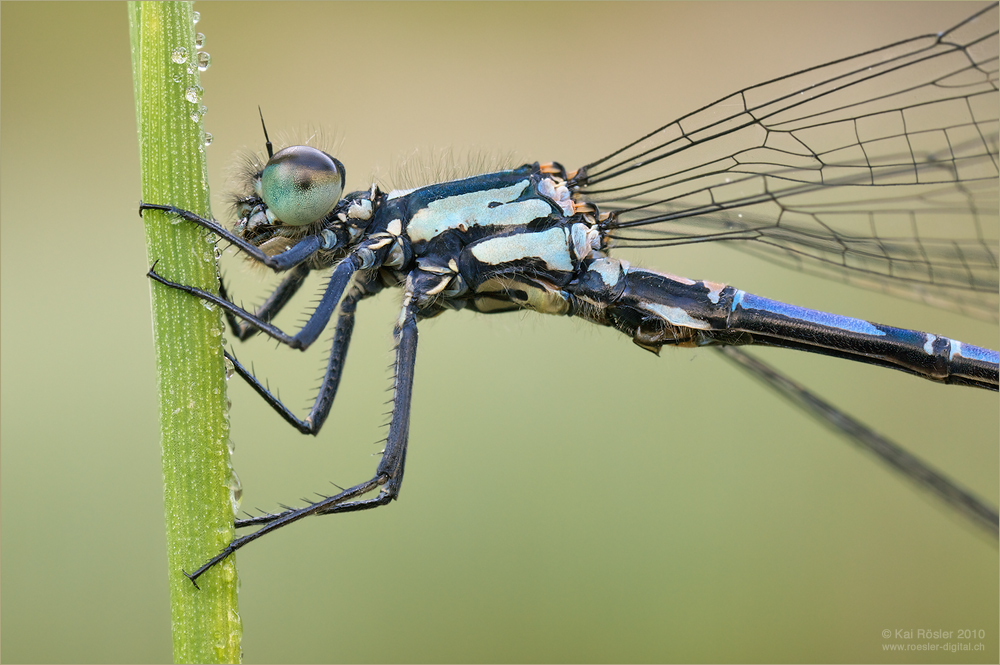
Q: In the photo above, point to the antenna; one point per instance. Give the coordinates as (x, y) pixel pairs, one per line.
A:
(270, 148)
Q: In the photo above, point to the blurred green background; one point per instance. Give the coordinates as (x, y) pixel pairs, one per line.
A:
(569, 497)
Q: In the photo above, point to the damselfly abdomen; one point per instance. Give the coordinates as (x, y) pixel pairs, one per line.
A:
(846, 168)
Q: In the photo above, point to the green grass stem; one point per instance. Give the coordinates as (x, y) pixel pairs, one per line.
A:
(194, 425)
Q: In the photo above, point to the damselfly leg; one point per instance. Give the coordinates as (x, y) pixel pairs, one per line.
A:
(271, 306)
(320, 409)
(389, 474)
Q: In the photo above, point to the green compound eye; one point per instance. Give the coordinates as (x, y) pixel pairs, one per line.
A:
(301, 185)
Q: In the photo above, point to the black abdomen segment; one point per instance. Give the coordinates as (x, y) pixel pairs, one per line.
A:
(658, 309)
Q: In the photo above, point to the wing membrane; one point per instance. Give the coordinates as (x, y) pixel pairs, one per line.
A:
(879, 169)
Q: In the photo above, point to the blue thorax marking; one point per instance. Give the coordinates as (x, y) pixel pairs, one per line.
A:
(477, 206)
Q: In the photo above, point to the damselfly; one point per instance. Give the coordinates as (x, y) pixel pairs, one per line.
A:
(848, 168)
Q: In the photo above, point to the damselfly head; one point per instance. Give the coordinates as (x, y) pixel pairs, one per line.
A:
(285, 199)
(300, 185)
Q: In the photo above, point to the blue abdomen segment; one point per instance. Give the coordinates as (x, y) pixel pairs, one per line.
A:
(658, 309)
(938, 358)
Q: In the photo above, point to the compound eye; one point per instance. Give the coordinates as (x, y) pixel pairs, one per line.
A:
(301, 185)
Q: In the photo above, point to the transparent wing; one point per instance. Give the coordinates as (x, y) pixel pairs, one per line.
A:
(879, 169)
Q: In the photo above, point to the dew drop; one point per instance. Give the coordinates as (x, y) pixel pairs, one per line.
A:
(179, 55)
(235, 491)
(204, 61)
(193, 94)
(195, 17)
(199, 40)
(208, 139)
(230, 368)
